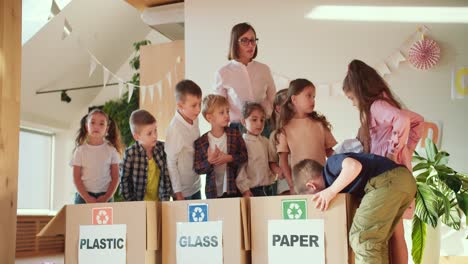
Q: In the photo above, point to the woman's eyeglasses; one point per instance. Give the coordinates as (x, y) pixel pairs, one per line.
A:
(246, 41)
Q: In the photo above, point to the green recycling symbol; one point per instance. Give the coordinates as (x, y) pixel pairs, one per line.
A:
(294, 209)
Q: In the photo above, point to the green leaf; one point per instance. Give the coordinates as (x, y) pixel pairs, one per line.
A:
(441, 158)
(454, 220)
(453, 182)
(418, 236)
(421, 166)
(422, 177)
(444, 206)
(431, 150)
(443, 168)
(462, 200)
(426, 204)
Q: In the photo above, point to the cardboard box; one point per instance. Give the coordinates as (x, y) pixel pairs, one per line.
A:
(233, 212)
(141, 219)
(337, 221)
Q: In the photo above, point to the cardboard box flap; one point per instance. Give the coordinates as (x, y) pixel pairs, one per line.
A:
(152, 226)
(245, 211)
(56, 226)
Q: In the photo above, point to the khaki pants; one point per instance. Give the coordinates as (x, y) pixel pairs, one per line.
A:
(386, 199)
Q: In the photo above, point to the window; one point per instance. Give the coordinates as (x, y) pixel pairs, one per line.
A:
(35, 179)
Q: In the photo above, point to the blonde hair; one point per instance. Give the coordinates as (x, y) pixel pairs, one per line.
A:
(303, 172)
(212, 102)
(140, 118)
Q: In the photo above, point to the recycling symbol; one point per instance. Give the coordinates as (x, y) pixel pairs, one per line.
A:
(294, 211)
(102, 217)
(198, 215)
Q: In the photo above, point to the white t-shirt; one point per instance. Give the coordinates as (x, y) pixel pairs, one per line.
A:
(95, 163)
(179, 149)
(220, 171)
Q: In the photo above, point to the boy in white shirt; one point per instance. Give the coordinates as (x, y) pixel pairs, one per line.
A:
(181, 134)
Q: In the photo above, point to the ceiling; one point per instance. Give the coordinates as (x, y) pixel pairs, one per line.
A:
(107, 28)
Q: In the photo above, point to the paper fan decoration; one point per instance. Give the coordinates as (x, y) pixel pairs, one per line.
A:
(424, 54)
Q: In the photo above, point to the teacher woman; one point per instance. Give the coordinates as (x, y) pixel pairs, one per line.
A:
(243, 79)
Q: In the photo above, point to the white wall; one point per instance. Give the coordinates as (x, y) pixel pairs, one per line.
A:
(320, 51)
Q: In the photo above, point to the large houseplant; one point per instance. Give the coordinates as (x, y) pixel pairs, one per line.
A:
(119, 110)
(442, 194)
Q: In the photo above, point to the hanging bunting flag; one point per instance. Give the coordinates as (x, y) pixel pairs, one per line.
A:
(92, 65)
(382, 69)
(395, 59)
(151, 92)
(130, 91)
(54, 9)
(105, 76)
(159, 85)
(169, 79)
(67, 29)
(143, 93)
(121, 87)
(178, 60)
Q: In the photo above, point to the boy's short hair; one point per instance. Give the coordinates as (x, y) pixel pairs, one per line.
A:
(187, 87)
(140, 118)
(305, 171)
(211, 102)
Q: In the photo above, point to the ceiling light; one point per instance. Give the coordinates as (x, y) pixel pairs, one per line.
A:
(408, 14)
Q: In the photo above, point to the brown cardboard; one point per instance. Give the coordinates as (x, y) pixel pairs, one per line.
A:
(233, 213)
(337, 219)
(141, 219)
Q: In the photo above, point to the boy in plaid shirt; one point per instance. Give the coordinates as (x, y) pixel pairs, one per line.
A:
(220, 152)
(144, 175)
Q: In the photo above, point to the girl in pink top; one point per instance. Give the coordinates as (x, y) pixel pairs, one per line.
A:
(302, 132)
(386, 129)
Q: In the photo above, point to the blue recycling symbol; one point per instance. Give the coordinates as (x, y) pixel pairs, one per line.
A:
(198, 212)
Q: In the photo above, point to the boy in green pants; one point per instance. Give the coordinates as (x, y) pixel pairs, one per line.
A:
(385, 187)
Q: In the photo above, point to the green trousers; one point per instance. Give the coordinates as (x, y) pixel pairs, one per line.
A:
(386, 198)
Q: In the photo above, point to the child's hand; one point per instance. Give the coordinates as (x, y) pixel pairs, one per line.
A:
(179, 196)
(279, 173)
(247, 193)
(101, 199)
(213, 154)
(90, 199)
(222, 159)
(323, 198)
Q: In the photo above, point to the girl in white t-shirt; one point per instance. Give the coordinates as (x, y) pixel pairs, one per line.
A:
(303, 133)
(96, 158)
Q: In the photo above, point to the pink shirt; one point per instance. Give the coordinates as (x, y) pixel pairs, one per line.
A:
(395, 131)
(305, 139)
(240, 83)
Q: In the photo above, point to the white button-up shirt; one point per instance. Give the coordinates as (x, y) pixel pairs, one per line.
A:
(256, 172)
(240, 83)
(179, 149)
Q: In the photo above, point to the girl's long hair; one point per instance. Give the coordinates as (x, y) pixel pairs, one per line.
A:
(288, 110)
(112, 136)
(280, 98)
(367, 86)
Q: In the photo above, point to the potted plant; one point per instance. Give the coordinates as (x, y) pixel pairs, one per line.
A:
(120, 110)
(442, 194)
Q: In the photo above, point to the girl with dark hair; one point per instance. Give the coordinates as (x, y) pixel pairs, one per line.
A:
(303, 133)
(243, 79)
(386, 129)
(96, 158)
